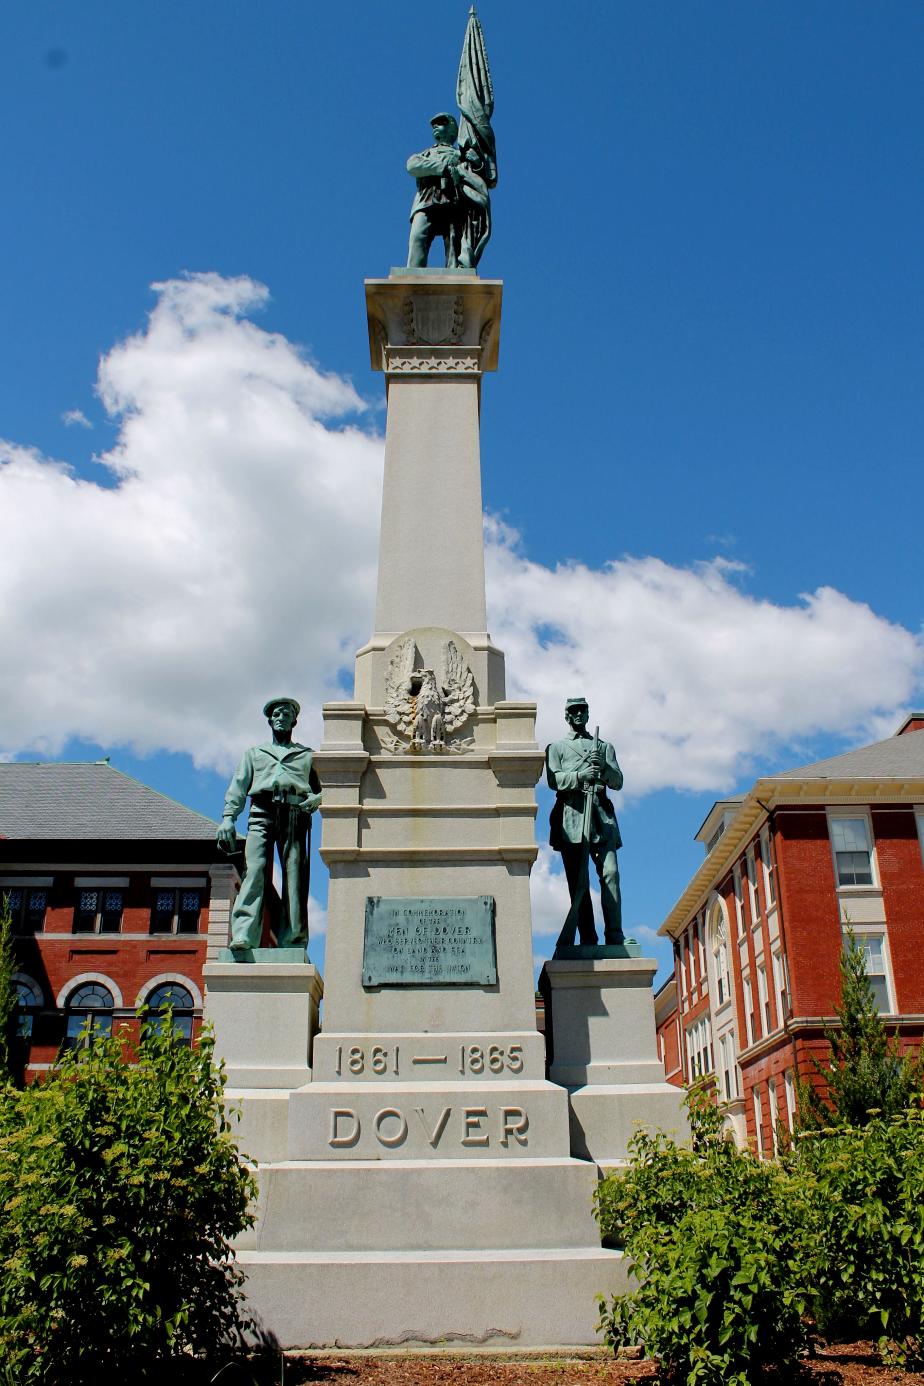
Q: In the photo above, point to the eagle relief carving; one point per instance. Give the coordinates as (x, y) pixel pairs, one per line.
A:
(426, 708)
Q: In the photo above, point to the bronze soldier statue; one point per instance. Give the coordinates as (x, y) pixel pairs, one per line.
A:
(284, 792)
(580, 768)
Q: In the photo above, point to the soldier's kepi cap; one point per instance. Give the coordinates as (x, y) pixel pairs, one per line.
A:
(274, 702)
(575, 702)
(444, 118)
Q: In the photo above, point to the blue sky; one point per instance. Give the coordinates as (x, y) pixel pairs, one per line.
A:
(708, 221)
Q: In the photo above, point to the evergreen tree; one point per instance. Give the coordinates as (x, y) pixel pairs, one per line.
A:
(9, 998)
(865, 1074)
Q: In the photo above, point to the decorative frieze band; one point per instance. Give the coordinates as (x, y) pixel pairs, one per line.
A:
(414, 360)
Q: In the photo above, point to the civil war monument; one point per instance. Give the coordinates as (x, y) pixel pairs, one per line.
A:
(425, 1168)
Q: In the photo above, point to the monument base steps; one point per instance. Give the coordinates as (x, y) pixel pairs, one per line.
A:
(453, 1205)
(428, 1120)
(604, 1118)
(533, 1297)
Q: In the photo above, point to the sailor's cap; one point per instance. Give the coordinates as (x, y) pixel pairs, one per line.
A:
(274, 702)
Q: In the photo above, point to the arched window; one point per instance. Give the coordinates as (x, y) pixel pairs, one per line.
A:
(180, 999)
(720, 954)
(28, 1003)
(91, 1002)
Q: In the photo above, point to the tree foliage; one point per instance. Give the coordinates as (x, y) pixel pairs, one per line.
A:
(865, 1074)
(714, 1241)
(9, 998)
(120, 1187)
(862, 1194)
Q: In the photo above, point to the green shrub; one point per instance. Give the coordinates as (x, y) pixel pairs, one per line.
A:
(9, 998)
(712, 1236)
(864, 1198)
(120, 1187)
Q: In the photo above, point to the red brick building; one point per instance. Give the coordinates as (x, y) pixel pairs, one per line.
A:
(759, 930)
(118, 895)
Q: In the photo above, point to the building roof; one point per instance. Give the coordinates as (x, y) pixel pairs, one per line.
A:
(65, 800)
(890, 771)
(894, 758)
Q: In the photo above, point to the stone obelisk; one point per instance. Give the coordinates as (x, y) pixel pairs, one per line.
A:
(420, 1188)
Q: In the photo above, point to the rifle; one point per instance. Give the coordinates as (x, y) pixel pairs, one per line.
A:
(569, 929)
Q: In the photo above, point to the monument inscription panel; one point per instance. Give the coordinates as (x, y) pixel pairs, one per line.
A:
(429, 942)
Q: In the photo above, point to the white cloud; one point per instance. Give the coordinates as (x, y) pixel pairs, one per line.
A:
(549, 898)
(234, 557)
(690, 676)
(72, 417)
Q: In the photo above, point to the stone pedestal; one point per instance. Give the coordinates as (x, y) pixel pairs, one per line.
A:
(265, 1017)
(600, 1021)
(420, 1188)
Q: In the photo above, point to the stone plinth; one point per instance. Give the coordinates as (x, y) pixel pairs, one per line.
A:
(600, 1019)
(265, 1016)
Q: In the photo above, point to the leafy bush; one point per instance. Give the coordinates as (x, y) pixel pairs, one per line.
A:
(9, 998)
(864, 1202)
(712, 1236)
(120, 1187)
(865, 1071)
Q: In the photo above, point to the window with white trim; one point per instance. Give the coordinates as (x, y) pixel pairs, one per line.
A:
(27, 906)
(91, 1004)
(28, 1005)
(764, 997)
(179, 999)
(699, 1057)
(739, 900)
(682, 963)
(701, 938)
(753, 897)
(790, 1089)
(691, 954)
(919, 815)
(721, 971)
(780, 987)
(748, 1009)
(758, 1120)
(850, 841)
(873, 943)
(766, 858)
(774, 1114)
(729, 1067)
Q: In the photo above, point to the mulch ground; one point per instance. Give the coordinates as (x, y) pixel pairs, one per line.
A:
(854, 1364)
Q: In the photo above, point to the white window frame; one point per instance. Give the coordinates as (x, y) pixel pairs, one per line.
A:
(682, 964)
(780, 985)
(739, 899)
(701, 932)
(748, 998)
(858, 816)
(789, 1086)
(691, 954)
(763, 994)
(774, 1113)
(861, 931)
(698, 1041)
(753, 896)
(766, 861)
(919, 819)
(728, 1066)
(758, 1119)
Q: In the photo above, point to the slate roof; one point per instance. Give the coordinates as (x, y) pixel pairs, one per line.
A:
(66, 800)
(899, 757)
